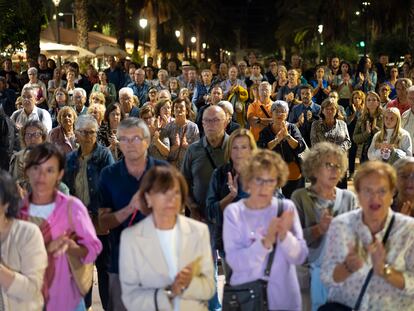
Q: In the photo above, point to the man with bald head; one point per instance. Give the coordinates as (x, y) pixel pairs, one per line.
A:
(200, 160)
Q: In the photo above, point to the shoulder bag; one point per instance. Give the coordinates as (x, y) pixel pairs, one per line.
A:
(82, 273)
(251, 296)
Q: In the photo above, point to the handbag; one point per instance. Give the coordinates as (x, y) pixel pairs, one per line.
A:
(336, 306)
(82, 273)
(250, 296)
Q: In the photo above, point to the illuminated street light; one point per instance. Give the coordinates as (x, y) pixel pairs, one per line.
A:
(193, 39)
(357, 13)
(204, 45)
(177, 33)
(143, 22)
(320, 29)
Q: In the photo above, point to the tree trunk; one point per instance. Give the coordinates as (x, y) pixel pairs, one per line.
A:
(32, 25)
(198, 41)
(81, 14)
(121, 24)
(411, 28)
(153, 24)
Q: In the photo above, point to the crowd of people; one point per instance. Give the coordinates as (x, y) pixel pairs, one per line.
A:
(162, 178)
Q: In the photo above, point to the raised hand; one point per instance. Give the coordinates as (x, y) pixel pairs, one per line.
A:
(353, 262)
(407, 208)
(232, 184)
(377, 251)
(326, 219)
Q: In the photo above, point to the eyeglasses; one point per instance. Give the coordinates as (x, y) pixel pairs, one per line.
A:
(332, 166)
(87, 132)
(212, 121)
(33, 135)
(368, 192)
(27, 97)
(264, 182)
(60, 94)
(406, 176)
(279, 111)
(130, 140)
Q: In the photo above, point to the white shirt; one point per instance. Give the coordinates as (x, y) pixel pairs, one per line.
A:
(20, 117)
(41, 211)
(407, 122)
(403, 150)
(169, 245)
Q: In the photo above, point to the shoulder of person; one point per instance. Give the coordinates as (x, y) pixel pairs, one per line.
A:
(194, 225)
(348, 219)
(25, 230)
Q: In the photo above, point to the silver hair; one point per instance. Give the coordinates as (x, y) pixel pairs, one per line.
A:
(280, 104)
(32, 70)
(401, 163)
(132, 122)
(226, 105)
(85, 121)
(126, 90)
(29, 89)
(80, 90)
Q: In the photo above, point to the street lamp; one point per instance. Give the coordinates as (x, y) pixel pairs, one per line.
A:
(177, 33)
(365, 7)
(72, 15)
(143, 22)
(56, 3)
(193, 40)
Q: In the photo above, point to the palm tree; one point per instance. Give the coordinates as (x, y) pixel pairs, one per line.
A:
(81, 14)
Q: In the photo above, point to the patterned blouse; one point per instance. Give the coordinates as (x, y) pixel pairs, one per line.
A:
(338, 134)
(348, 229)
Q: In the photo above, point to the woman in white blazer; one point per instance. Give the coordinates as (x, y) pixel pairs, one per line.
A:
(165, 260)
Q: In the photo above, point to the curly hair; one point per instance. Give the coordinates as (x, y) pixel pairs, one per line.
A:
(264, 160)
(313, 159)
(375, 167)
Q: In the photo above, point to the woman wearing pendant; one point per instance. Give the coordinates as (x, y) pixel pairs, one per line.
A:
(355, 245)
(23, 257)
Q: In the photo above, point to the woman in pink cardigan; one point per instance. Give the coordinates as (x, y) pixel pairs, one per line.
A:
(50, 209)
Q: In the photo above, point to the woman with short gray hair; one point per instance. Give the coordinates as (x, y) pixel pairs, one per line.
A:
(284, 138)
(82, 171)
(39, 88)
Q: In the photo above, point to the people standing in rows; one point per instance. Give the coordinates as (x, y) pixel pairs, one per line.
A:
(291, 91)
(320, 86)
(343, 84)
(203, 89)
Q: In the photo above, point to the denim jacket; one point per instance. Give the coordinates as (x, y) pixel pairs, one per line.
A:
(101, 157)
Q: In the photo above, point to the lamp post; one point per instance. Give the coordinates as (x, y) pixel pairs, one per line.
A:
(177, 33)
(193, 40)
(56, 3)
(320, 30)
(143, 22)
(365, 8)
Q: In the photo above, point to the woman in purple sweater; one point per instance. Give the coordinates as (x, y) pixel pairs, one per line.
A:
(252, 229)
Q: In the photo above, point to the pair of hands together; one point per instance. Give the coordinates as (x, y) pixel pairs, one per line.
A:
(278, 228)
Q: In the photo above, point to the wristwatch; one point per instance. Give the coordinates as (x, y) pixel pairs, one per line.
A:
(168, 291)
(387, 270)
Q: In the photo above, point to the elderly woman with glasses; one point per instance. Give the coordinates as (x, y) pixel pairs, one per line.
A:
(371, 244)
(82, 171)
(252, 229)
(285, 139)
(324, 165)
(63, 136)
(404, 199)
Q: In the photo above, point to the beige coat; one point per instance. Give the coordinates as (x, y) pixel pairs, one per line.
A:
(23, 251)
(143, 269)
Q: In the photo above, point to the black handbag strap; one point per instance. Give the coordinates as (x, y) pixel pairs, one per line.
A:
(264, 111)
(371, 271)
(210, 158)
(269, 262)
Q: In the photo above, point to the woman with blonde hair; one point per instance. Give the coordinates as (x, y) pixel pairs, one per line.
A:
(97, 98)
(97, 111)
(392, 142)
(368, 124)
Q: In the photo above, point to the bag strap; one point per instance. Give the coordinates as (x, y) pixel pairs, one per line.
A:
(264, 111)
(210, 158)
(371, 271)
(269, 263)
